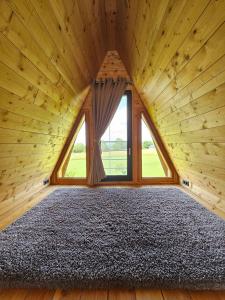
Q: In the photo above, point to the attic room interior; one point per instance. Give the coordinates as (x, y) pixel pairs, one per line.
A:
(112, 149)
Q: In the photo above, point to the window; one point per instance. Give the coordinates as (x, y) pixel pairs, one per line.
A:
(74, 164)
(153, 163)
(116, 142)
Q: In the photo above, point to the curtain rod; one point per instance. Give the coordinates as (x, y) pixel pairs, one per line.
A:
(103, 79)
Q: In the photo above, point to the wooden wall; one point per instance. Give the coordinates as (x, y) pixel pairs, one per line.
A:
(49, 53)
(113, 67)
(174, 51)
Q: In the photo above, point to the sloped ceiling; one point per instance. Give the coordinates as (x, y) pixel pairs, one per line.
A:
(50, 51)
(175, 54)
(174, 50)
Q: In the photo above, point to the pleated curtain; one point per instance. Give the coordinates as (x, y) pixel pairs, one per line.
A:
(106, 96)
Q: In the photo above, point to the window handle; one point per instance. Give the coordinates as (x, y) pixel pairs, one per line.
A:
(129, 151)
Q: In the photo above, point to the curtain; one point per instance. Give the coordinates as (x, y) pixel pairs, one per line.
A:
(106, 97)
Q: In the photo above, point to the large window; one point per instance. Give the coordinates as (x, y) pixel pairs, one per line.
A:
(116, 142)
(151, 162)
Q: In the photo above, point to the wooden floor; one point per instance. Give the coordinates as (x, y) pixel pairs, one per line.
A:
(7, 217)
(35, 294)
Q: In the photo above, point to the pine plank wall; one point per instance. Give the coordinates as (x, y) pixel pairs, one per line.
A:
(175, 53)
(174, 50)
(50, 51)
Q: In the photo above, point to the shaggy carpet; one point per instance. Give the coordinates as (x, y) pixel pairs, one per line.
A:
(111, 237)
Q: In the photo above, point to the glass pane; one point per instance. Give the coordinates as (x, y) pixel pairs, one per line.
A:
(151, 157)
(114, 142)
(77, 162)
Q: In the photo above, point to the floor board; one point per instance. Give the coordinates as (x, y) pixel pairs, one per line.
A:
(117, 294)
(149, 294)
(176, 295)
(121, 295)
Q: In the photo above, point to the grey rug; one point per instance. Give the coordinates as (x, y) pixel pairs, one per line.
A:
(100, 238)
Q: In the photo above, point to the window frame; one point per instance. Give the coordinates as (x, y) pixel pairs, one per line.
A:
(173, 178)
(136, 178)
(127, 177)
(157, 149)
(69, 151)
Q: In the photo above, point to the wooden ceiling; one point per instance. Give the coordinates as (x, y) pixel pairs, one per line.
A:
(174, 50)
(50, 51)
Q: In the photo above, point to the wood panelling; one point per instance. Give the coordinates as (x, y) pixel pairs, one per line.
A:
(50, 51)
(112, 66)
(110, 24)
(175, 53)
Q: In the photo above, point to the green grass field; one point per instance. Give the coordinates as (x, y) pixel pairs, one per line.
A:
(151, 166)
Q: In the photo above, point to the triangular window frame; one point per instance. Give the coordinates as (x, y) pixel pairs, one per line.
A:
(57, 176)
(137, 113)
(69, 156)
(159, 160)
(172, 177)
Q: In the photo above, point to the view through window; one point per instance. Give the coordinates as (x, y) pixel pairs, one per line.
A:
(114, 142)
(153, 164)
(114, 146)
(75, 163)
